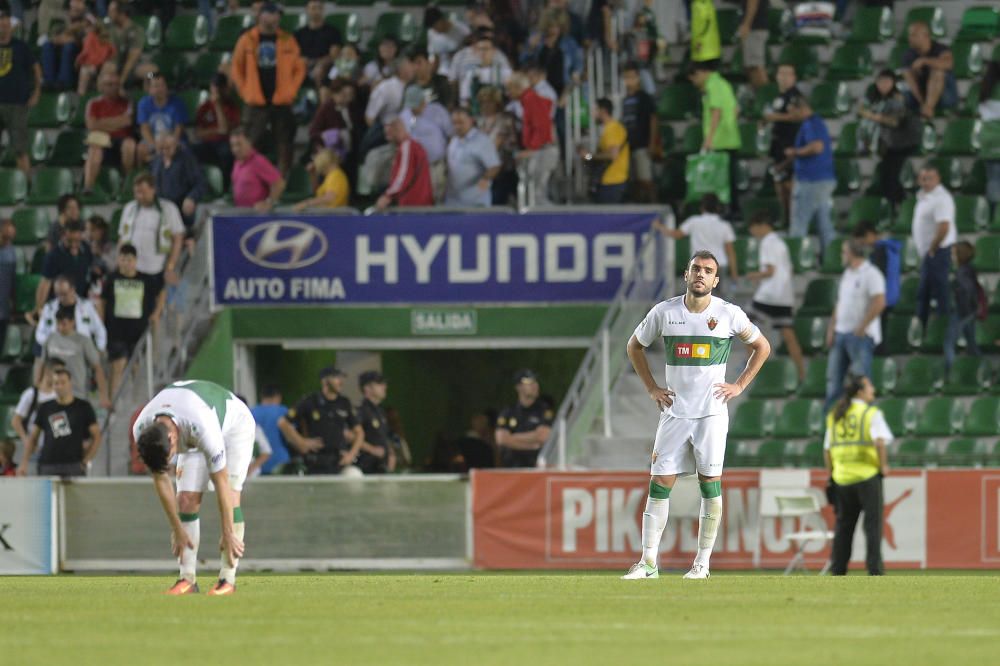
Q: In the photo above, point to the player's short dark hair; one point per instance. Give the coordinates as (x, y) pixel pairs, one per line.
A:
(704, 254)
(710, 203)
(270, 391)
(129, 249)
(154, 447)
(66, 312)
(605, 104)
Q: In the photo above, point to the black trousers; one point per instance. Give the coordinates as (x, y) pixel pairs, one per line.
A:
(889, 169)
(852, 500)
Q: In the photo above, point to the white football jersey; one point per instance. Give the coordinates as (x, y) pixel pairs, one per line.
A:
(697, 346)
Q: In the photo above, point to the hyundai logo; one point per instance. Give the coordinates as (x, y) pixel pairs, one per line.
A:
(283, 244)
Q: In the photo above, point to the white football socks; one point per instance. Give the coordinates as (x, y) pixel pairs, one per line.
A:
(708, 527)
(189, 556)
(654, 519)
(226, 572)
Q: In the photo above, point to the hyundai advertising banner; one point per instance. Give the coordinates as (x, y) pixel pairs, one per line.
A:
(421, 258)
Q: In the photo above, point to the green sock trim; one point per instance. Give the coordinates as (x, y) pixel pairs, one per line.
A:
(656, 491)
(188, 517)
(238, 514)
(710, 489)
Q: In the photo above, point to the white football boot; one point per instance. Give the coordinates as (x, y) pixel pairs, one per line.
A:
(698, 572)
(640, 570)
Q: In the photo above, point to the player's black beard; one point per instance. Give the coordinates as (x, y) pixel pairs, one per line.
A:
(699, 292)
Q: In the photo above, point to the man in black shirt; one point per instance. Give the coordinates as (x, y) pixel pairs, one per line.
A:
(784, 128)
(319, 42)
(927, 69)
(524, 428)
(72, 257)
(316, 427)
(426, 76)
(639, 118)
(72, 435)
(376, 454)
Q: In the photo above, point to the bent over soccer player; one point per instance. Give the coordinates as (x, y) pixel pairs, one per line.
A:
(697, 330)
(211, 432)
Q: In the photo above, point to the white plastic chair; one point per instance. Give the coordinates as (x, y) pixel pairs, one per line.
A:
(800, 506)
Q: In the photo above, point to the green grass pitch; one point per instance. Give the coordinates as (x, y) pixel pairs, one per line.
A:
(509, 619)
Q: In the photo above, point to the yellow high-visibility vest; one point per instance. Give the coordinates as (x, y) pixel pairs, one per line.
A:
(852, 450)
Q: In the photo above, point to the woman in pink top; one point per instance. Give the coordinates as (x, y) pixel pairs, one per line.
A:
(255, 183)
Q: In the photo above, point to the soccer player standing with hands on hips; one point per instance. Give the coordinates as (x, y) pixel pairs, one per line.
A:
(697, 330)
(211, 432)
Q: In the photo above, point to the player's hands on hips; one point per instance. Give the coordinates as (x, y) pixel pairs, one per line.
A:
(179, 541)
(662, 397)
(232, 546)
(726, 392)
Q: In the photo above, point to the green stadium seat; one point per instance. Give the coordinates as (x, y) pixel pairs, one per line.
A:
(206, 66)
(939, 417)
(13, 187)
(400, 25)
(750, 136)
(691, 140)
(228, 30)
(192, 100)
(847, 140)
(987, 332)
(983, 417)
(912, 453)
(69, 149)
(980, 23)
(153, 28)
(186, 32)
(929, 139)
(672, 186)
(885, 374)
(292, 21)
(743, 175)
(964, 452)
(974, 182)
(896, 56)
(991, 454)
(848, 173)
(969, 375)
(769, 205)
(771, 453)
(811, 333)
(932, 340)
(348, 24)
(814, 385)
(799, 419)
(678, 101)
(920, 376)
(871, 25)
(106, 189)
(850, 62)
(812, 454)
(215, 181)
(300, 186)
(761, 102)
(746, 254)
(48, 184)
(173, 67)
(903, 222)
(25, 287)
(820, 297)
(832, 264)
(968, 58)
(17, 379)
(780, 23)
(831, 99)
(932, 16)
(907, 303)
(803, 253)
(972, 213)
(38, 149)
(728, 20)
(753, 419)
(896, 335)
(804, 57)
(13, 344)
(79, 118)
(988, 254)
(741, 454)
(31, 225)
(900, 414)
(776, 379)
(53, 109)
(961, 137)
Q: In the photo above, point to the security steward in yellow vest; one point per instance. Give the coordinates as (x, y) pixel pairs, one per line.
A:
(855, 453)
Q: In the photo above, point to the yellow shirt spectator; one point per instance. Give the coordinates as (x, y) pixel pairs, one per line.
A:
(614, 135)
(334, 191)
(334, 183)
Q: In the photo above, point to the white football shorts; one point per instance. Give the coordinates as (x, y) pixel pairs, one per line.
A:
(686, 446)
(239, 433)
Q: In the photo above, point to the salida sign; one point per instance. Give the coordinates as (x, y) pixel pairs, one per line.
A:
(423, 258)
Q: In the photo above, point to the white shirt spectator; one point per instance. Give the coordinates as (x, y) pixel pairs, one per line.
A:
(777, 289)
(710, 232)
(151, 229)
(375, 73)
(858, 286)
(933, 208)
(386, 100)
(88, 322)
(879, 428)
(444, 45)
(467, 59)
(494, 75)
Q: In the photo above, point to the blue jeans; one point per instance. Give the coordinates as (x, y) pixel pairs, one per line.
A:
(849, 353)
(965, 326)
(813, 199)
(934, 284)
(610, 194)
(57, 63)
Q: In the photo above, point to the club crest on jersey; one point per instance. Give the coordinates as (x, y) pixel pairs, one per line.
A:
(712, 323)
(689, 350)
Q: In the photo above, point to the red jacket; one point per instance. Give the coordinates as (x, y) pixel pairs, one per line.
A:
(410, 183)
(536, 124)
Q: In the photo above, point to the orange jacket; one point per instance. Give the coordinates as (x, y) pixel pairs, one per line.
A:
(291, 68)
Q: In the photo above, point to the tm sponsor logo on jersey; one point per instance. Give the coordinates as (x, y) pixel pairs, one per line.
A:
(689, 350)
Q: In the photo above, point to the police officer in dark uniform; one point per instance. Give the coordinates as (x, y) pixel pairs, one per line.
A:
(377, 456)
(317, 427)
(523, 429)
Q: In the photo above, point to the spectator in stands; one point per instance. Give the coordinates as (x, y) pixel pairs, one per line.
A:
(429, 123)
(886, 254)
(539, 150)
(855, 328)
(333, 190)
(385, 103)
(784, 128)
(67, 210)
(109, 120)
(892, 130)
(466, 58)
(97, 235)
(476, 445)
(383, 65)
(97, 50)
(159, 112)
(969, 298)
(708, 231)
(577, 29)
(410, 180)
(8, 449)
(72, 258)
(268, 71)
(347, 65)
(815, 179)
(425, 75)
(131, 302)
(376, 454)
(31, 399)
(535, 71)
(267, 413)
(522, 429)
(774, 299)
(989, 134)
(20, 87)
(319, 425)
(927, 69)
(600, 24)
(214, 119)
(69, 425)
(319, 41)
(255, 182)
(473, 163)
(8, 269)
(487, 70)
(78, 353)
(719, 122)
(613, 149)
(129, 40)
(500, 126)
(87, 319)
(934, 232)
(59, 51)
(639, 118)
(178, 177)
(445, 36)
(753, 34)
(334, 113)
(154, 226)
(555, 51)
(706, 46)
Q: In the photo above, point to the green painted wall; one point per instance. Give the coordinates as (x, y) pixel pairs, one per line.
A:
(214, 360)
(295, 371)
